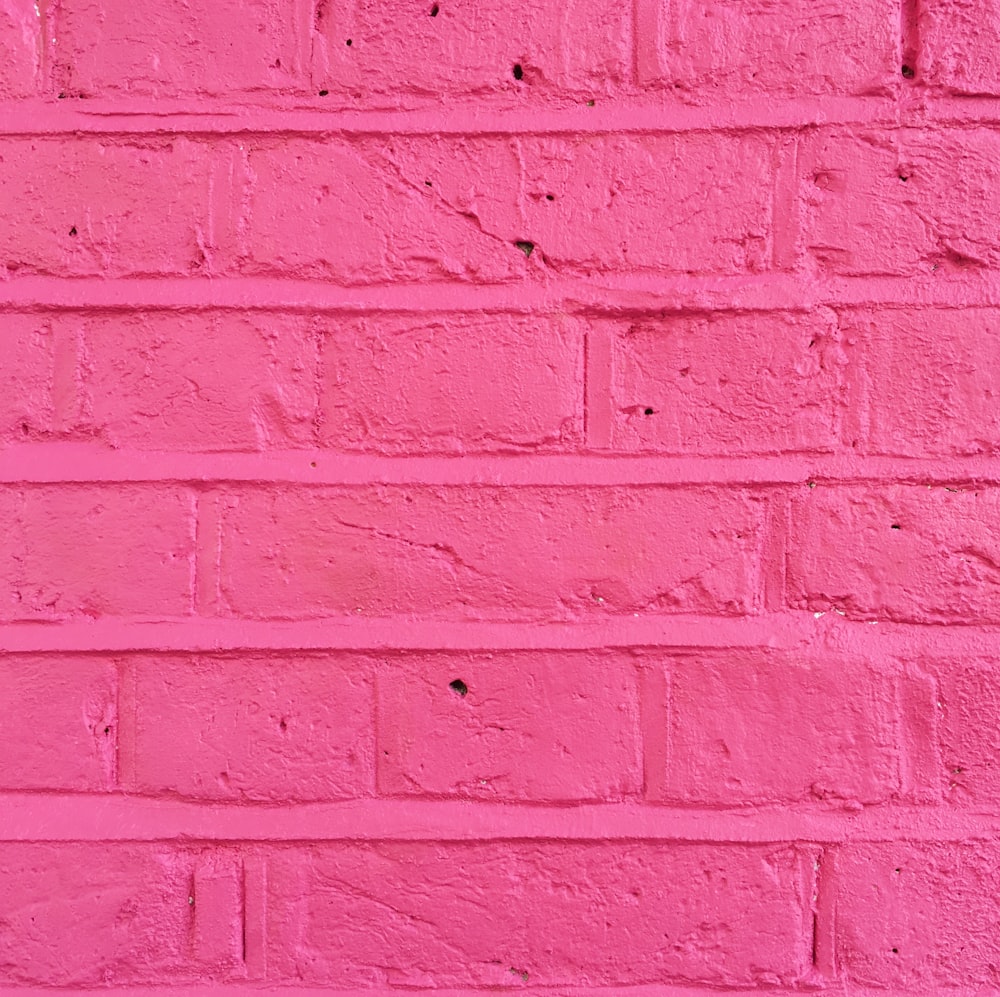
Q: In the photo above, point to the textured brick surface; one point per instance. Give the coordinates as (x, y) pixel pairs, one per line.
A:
(499, 496)
(524, 727)
(486, 552)
(415, 914)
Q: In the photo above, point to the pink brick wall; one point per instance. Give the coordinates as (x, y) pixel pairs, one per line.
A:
(500, 497)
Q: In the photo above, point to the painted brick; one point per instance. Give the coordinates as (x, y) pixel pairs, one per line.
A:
(540, 726)
(254, 728)
(959, 46)
(60, 723)
(913, 553)
(721, 384)
(930, 377)
(706, 51)
(418, 209)
(735, 737)
(145, 47)
(969, 703)
(488, 552)
(912, 915)
(416, 384)
(199, 381)
(20, 48)
(108, 207)
(26, 377)
(402, 53)
(503, 914)
(128, 909)
(860, 216)
(92, 550)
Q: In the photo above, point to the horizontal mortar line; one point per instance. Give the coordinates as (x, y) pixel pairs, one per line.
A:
(63, 462)
(607, 295)
(815, 633)
(830, 988)
(315, 115)
(57, 817)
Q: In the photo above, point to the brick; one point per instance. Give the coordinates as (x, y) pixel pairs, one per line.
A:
(930, 376)
(959, 44)
(199, 381)
(365, 221)
(92, 550)
(416, 384)
(705, 50)
(20, 48)
(103, 914)
(145, 47)
(60, 726)
(253, 728)
(418, 208)
(939, 566)
(111, 207)
(555, 913)
(488, 552)
(918, 917)
(969, 700)
(650, 202)
(747, 729)
(401, 54)
(26, 378)
(723, 384)
(539, 726)
(862, 217)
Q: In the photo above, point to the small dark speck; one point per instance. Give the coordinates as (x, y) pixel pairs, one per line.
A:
(549, 197)
(349, 42)
(896, 951)
(896, 526)
(591, 103)
(459, 687)
(107, 730)
(518, 71)
(526, 247)
(72, 231)
(903, 178)
(908, 72)
(324, 93)
(427, 183)
(61, 96)
(647, 411)
(434, 10)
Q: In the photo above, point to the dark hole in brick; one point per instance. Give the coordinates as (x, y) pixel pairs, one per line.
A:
(908, 72)
(518, 71)
(903, 178)
(312, 463)
(427, 183)
(526, 247)
(72, 231)
(61, 96)
(323, 93)
(549, 197)
(647, 411)
(591, 103)
(434, 10)
(895, 950)
(283, 724)
(896, 526)
(459, 687)
(107, 730)
(349, 42)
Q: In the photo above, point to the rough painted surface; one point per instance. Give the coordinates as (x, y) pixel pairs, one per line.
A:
(499, 497)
